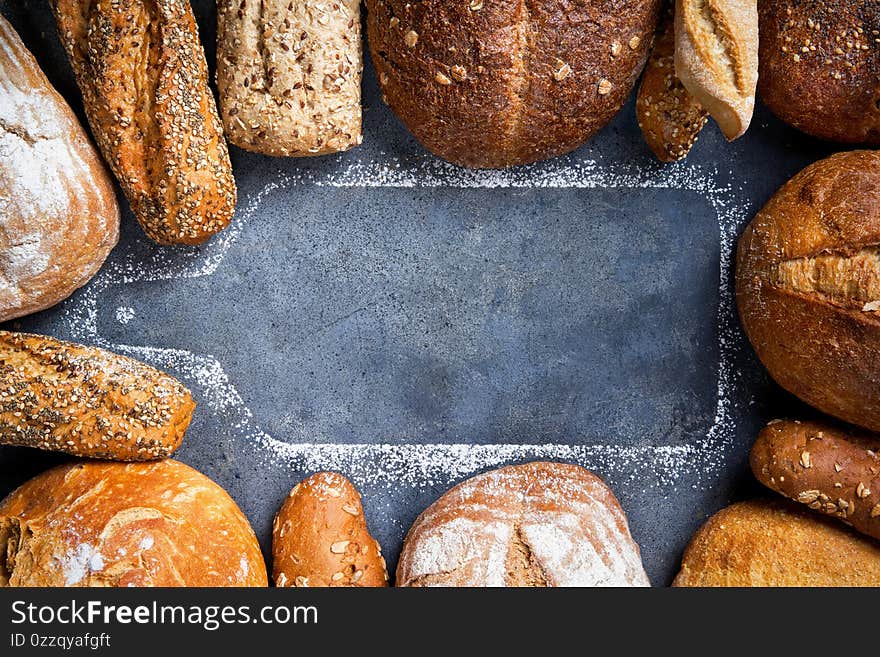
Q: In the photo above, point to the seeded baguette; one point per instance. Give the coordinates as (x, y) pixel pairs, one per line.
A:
(289, 75)
(808, 286)
(669, 117)
(830, 469)
(85, 401)
(320, 537)
(144, 81)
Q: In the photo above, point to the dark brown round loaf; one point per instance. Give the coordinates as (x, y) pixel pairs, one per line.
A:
(820, 66)
(493, 84)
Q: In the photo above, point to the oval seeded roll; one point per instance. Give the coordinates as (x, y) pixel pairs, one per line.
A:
(495, 84)
(538, 524)
(761, 543)
(820, 66)
(320, 537)
(85, 401)
(808, 286)
(833, 470)
(126, 524)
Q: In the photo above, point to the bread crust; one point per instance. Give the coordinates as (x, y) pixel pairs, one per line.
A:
(762, 543)
(537, 524)
(820, 66)
(823, 346)
(495, 84)
(58, 213)
(320, 537)
(85, 401)
(144, 80)
(93, 523)
(289, 75)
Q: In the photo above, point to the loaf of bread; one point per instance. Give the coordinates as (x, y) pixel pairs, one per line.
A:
(832, 469)
(144, 81)
(538, 524)
(778, 543)
(58, 213)
(98, 523)
(320, 537)
(716, 58)
(85, 401)
(820, 66)
(495, 84)
(808, 286)
(669, 117)
(289, 75)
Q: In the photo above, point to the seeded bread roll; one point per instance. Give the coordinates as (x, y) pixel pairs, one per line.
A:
(820, 66)
(534, 525)
(320, 537)
(85, 401)
(808, 286)
(833, 470)
(495, 84)
(289, 75)
(670, 118)
(144, 81)
(777, 543)
(95, 523)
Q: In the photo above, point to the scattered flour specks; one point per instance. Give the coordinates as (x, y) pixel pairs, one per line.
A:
(124, 314)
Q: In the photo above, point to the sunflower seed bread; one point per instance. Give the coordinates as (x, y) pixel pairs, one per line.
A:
(144, 80)
(85, 401)
(289, 75)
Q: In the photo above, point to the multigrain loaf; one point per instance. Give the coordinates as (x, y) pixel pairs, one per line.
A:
(495, 84)
(58, 213)
(144, 81)
(85, 401)
(716, 58)
(126, 524)
(808, 286)
(320, 537)
(669, 117)
(535, 525)
(289, 75)
(820, 66)
(832, 469)
(762, 543)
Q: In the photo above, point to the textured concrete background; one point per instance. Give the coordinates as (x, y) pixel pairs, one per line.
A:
(446, 315)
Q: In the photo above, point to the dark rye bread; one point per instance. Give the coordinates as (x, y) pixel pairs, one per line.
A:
(832, 469)
(820, 66)
(495, 84)
(808, 286)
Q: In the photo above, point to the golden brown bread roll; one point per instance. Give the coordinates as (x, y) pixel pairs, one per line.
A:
(58, 213)
(144, 81)
(495, 84)
(320, 537)
(538, 524)
(808, 286)
(820, 66)
(832, 469)
(761, 543)
(98, 523)
(85, 401)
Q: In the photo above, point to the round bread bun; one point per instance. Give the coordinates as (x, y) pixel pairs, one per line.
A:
(496, 84)
(538, 524)
(58, 213)
(93, 523)
(819, 66)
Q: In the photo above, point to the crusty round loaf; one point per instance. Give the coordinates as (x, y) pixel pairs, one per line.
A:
(808, 286)
(93, 523)
(58, 213)
(538, 524)
(495, 84)
(760, 543)
(820, 66)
